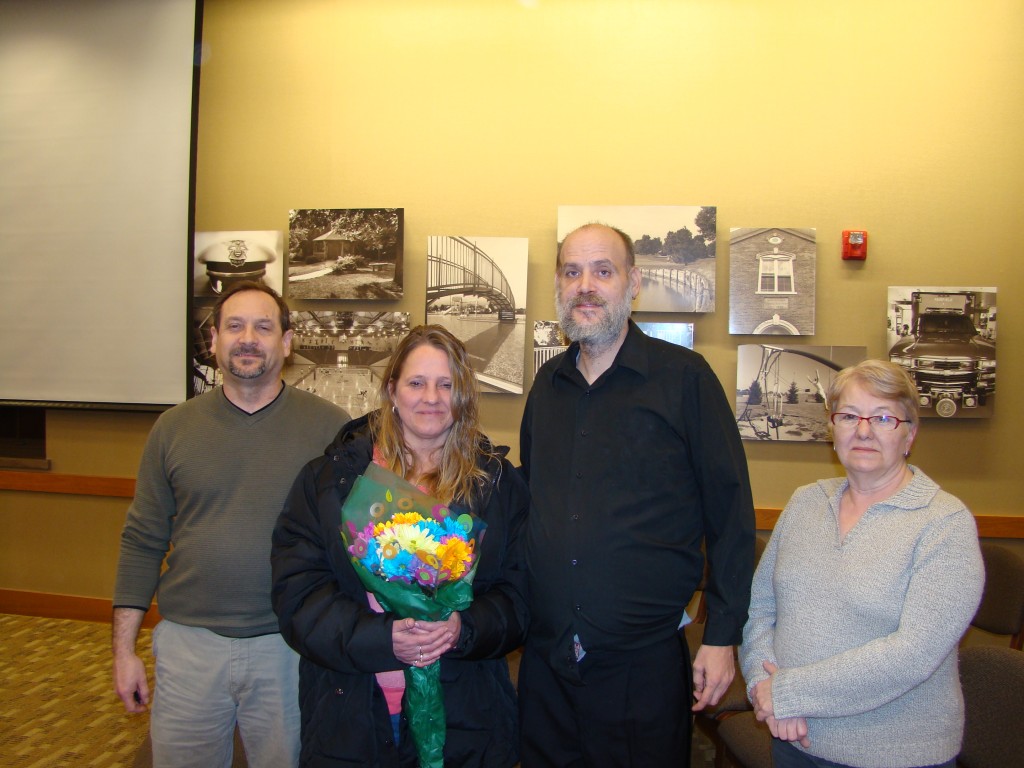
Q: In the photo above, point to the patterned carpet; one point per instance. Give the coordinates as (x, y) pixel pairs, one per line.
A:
(57, 704)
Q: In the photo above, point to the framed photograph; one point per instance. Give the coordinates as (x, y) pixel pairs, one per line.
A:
(780, 391)
(674, 333)
(945, 336)
(223, 258)
(341, 356)
(771, 281)
(476, 288)
(204, 375)
(674, 245)
(346, 253)
(548, 341)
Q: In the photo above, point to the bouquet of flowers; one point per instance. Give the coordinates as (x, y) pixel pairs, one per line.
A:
(418, 558)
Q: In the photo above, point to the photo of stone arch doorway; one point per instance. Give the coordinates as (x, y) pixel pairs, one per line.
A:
(476, 288)
(772, 281)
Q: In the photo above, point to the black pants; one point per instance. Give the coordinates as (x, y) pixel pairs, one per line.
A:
(631, 710)
(785, 755)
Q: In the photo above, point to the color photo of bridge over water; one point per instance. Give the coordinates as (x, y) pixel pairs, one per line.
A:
(476, 288)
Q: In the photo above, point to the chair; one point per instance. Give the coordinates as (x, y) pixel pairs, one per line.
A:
(992, 679)
(993, 684)
(743, 741)
(1002, 605)
(734, 700)
(994, 699)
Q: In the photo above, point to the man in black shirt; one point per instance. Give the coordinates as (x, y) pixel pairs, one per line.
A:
(633, 458)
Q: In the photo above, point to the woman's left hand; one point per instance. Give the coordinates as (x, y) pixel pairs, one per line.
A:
(789, 729)
(761, 697)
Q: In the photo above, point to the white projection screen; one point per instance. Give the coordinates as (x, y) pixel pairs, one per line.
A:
(96, 135)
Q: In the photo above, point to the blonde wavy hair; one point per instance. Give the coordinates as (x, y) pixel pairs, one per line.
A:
(457, 475)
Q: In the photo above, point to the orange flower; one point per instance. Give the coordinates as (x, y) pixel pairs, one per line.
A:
(455, 556)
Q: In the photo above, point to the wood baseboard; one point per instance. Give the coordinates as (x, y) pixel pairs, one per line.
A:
(74, 607)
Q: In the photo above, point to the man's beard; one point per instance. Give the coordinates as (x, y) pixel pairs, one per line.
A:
(247, 373)
(601, 333)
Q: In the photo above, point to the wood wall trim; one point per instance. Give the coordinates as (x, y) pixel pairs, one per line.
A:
(766, 518)
(52, 606)
(989, 526)
(79, 485)
(1000, 526)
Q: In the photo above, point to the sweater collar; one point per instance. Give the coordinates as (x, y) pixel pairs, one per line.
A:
(260, 413)
(918, 493)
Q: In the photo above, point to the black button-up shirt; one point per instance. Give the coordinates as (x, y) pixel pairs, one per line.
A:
(628, 475)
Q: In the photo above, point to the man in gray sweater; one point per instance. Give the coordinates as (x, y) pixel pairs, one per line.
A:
(213, 478)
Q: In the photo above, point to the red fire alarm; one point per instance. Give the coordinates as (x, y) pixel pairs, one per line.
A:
(855, 244)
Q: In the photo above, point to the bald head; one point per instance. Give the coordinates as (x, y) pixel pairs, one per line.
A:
(595, 228)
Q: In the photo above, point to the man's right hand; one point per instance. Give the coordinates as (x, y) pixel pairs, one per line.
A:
(130, 682)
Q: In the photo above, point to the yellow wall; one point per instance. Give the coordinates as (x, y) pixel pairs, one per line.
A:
(480, 117)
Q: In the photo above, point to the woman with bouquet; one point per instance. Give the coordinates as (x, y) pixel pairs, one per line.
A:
(354, 651)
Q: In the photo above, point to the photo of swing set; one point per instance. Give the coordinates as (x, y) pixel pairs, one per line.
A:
(780, 390)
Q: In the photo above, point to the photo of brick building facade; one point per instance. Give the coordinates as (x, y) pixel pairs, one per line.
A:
(771, 281)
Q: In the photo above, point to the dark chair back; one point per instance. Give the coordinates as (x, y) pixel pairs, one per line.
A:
(992, 678)
(1002, 605)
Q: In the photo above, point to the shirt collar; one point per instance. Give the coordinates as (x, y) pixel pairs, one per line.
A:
(633, 354)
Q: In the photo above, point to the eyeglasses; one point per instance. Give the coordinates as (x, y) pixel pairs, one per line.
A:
(882, 422)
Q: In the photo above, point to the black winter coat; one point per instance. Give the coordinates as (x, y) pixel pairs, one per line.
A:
(324, 615)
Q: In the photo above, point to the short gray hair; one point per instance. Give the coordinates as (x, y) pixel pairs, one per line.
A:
(882, 379)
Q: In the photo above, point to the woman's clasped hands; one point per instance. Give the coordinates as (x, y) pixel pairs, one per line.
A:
(421, 643)
(787, 728)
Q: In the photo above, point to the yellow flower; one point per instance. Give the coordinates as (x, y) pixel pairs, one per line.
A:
(404, 518)
(455, 556)
(412, 538)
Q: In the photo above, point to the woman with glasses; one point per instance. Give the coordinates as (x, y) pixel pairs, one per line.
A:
(862, 595)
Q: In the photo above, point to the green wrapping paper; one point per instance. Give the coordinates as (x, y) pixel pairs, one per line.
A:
(376, 497)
